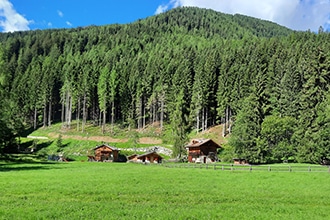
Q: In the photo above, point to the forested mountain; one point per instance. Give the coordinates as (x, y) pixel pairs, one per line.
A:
(188, 68)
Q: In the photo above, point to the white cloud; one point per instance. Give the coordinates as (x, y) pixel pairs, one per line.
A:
(10, 20)
(164, 7)
(60, 13)
(161, 9)
(295, 14)
(68, 23)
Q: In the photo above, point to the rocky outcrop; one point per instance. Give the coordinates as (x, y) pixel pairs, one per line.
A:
(158, 149)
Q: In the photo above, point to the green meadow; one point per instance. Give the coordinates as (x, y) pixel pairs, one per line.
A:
(82, 190)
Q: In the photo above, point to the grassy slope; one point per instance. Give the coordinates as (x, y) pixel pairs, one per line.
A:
(131, 191)
(80, 143)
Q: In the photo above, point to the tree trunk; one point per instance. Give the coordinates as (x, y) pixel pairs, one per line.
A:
(206, 119)
(63, 110)
(227, 118)
(132, 113)
(45, 115)
(229, 121)
(197, 121)
(150, 113)
(70, 112)
(144, 115)
(112, 115)
(161, 113)
(224, 124)
(78, 114)
(162, 108)
(140, 112)
(103, 121)
(203, 119)
(104, 116)
(99, 120)
(224, 128)
(50, 113)
(154, 107)
(67, 111)
(84, 114)
(35, 118)
(95, 111)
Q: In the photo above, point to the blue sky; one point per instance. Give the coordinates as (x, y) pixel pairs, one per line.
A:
(18, 15)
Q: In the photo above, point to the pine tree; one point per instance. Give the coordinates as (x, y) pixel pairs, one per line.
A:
(315, 88)
(247, 130)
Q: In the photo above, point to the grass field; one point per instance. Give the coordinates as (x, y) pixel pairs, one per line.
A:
(133, 191)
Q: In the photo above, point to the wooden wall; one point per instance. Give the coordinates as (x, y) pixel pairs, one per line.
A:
(105, 153)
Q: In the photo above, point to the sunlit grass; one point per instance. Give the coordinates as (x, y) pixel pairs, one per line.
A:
(132, 191)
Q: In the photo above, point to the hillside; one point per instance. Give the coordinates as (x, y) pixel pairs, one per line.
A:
(77, 146)
(209, 23)
(186, 70)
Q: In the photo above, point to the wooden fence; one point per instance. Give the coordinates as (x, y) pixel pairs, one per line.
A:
(251, 168)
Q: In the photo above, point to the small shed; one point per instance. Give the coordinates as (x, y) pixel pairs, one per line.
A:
(132, 157)
(105, 152)
(240, 161)
(149, 157)
(202, 150)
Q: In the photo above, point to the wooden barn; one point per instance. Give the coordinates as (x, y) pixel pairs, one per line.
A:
(202, 151)
(105, 152)
(149, 157)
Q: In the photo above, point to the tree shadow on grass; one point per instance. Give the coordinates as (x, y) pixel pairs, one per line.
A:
(29, 147)
(18, 162)
(26, 167)
(23, 165)
(28, 131)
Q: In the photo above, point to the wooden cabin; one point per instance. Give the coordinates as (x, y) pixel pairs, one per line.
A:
(240, 161)
(149, 157)
(105, 152)
(202, 151)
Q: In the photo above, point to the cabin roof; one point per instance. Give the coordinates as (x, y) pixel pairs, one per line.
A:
(107, 146)
(200, 142)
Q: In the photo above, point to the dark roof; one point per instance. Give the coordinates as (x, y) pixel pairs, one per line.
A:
(105, 145)
(200, 142)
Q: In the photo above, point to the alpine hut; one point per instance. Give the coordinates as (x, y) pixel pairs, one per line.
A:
(105, 152)
(202, 151)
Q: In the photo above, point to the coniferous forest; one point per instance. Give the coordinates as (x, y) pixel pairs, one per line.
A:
(188, 69)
